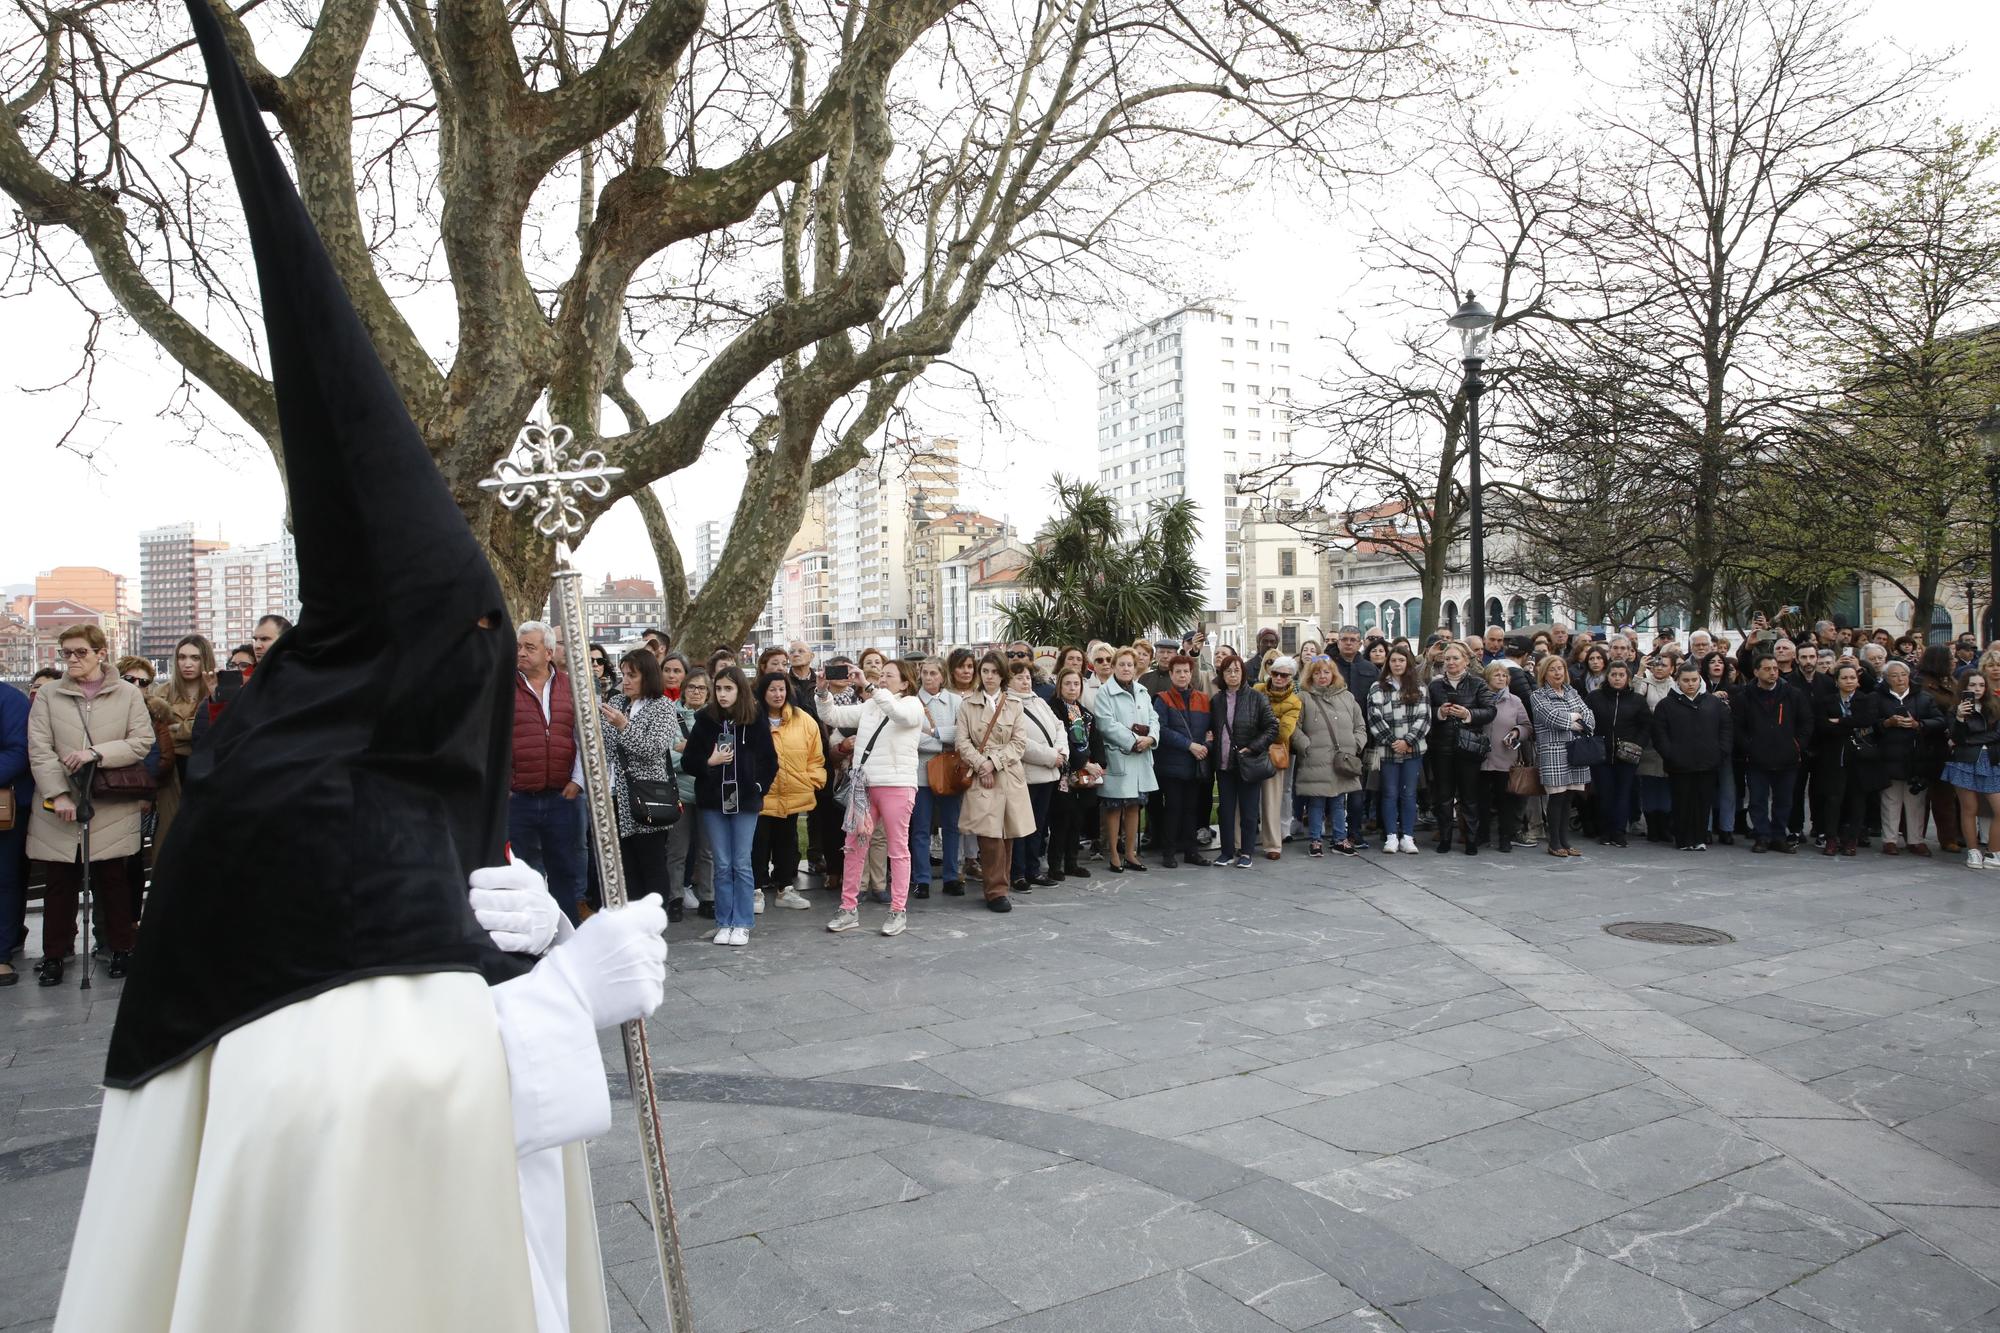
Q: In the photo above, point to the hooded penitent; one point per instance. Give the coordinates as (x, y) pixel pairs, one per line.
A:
(332, 817)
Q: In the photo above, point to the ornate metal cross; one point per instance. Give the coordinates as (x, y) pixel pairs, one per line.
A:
(538, 470)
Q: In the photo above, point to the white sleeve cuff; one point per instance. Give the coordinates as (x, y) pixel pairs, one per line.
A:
(554, 1068)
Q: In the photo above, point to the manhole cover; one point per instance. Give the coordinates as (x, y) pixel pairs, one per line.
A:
(1667, 932)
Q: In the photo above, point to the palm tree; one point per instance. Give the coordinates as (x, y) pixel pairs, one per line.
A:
(1086, 580)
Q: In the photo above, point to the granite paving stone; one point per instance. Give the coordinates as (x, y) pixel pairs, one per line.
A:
(1659, 1159)
(1887, 1095)
(1397, 1116)
(1899, 1285)
(1279, 1285)
(1170, 1301)
(1724, 1242)
(1547, 1076)
(1567, 1289)
(1875, 1162)
(1475, 1220)
(1219, 1101)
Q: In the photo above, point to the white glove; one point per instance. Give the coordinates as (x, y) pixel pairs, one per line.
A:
(616, 963)
(513, 905)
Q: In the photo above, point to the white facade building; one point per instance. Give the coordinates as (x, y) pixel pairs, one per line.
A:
(867, 538)
(1185, 403)
(235, 588)
(710, 536)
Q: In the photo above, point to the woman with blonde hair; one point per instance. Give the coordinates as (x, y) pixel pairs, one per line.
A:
(1125, 722)
(1560, 716)
(1329, 765)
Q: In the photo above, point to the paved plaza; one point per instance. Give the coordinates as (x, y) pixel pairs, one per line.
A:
(1413, 1092)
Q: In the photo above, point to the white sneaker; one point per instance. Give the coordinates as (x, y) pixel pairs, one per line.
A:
(896, 924)
(721, 935)
(688, 900)
(1392, 843)
(1409, 845)
(756, 902)
(740, 936)
(1992, 861)
(844, 919)
(1974, 860)
(792, 898)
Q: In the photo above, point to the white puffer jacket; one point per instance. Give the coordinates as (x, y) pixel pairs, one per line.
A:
(1048, 747)
(893, 760)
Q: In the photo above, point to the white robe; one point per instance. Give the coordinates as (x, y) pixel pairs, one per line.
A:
(357, 1160)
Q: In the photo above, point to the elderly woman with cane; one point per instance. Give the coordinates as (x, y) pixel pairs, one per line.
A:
(88, 735)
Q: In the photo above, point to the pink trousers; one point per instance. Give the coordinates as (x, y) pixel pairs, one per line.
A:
(892, 806)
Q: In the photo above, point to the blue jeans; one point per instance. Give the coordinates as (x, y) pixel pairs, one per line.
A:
(933, 811)
(1770, 801)
(1615, 783)
(1026, 854)
(1725, 797)
(546, 831)
(1324, 813)
(1399, 794)
(730, 840)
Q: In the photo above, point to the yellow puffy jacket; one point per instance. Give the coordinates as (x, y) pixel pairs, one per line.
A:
(801, 765)
(1285, 708)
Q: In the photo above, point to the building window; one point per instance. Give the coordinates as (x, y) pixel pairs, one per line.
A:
(1288, 562)
(1545, 611)
(1413, 613)
(1364, 617)
(1229, 409)
(1229, 342)
(1270, 599)
(1228, 387)
(1306, 600)
(1228, 434)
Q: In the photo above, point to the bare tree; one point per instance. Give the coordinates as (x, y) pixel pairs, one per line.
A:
(772, 218)
(1394, 422)
(1748, 153)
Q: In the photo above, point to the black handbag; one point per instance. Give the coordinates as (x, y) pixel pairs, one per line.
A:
(1472, 740)
(655, 804)
(1584, 751)
(1256, 767)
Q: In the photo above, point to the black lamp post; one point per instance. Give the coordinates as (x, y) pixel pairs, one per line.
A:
(1475, 324)
(1989, 441)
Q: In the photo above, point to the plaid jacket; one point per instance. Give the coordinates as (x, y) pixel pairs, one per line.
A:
(1391, 720)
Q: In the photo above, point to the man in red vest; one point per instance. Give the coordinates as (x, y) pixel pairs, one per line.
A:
(545, 820)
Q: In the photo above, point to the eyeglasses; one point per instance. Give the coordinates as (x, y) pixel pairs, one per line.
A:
(140, 681)
(73, 654)
(1020, 656)
(1281, 675)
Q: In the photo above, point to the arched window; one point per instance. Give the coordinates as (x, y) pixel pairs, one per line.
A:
(1451, 618)
(1545, 611)
(1413, 613)
(1517, 613)
(1364, 616)
(1940, 624)
(1496, 614)
(1391, 620)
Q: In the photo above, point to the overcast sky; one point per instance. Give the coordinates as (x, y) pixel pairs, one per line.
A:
(1277, 250)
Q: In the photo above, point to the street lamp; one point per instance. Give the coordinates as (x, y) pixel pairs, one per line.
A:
(1988, 431)
(1474, 323)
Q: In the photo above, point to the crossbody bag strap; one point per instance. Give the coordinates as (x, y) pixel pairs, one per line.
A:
(869, 748)
(991, 723)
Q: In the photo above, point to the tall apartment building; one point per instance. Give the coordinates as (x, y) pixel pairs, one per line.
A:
(710, 536)
(932, 544)
(236, 587)
(166, 586)
(806, 599)
(867, 537)
(1186, 403)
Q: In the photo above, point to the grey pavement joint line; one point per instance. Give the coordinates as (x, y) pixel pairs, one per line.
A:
(1384, 1268)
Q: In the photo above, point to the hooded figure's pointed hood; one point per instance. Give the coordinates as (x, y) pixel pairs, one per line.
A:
(336, 808)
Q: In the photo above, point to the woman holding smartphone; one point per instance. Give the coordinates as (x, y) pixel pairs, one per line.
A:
(734, 763)
(1975, 769)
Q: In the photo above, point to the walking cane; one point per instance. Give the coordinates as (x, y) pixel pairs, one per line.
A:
(79, 783)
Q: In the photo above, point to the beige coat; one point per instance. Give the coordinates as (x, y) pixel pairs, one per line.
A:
(1002, 810)
(121, 729)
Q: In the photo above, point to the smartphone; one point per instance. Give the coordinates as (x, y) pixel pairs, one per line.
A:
(1141, 729)
(228, 683)
(838, 671)
(728, 797)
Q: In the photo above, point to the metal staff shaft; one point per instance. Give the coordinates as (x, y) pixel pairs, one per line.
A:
(604, 835)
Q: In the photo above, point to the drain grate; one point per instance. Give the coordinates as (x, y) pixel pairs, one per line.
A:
(1667, 932)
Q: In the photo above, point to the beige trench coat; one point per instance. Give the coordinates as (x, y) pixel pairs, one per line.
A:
(121, 729)
(1002, 810)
